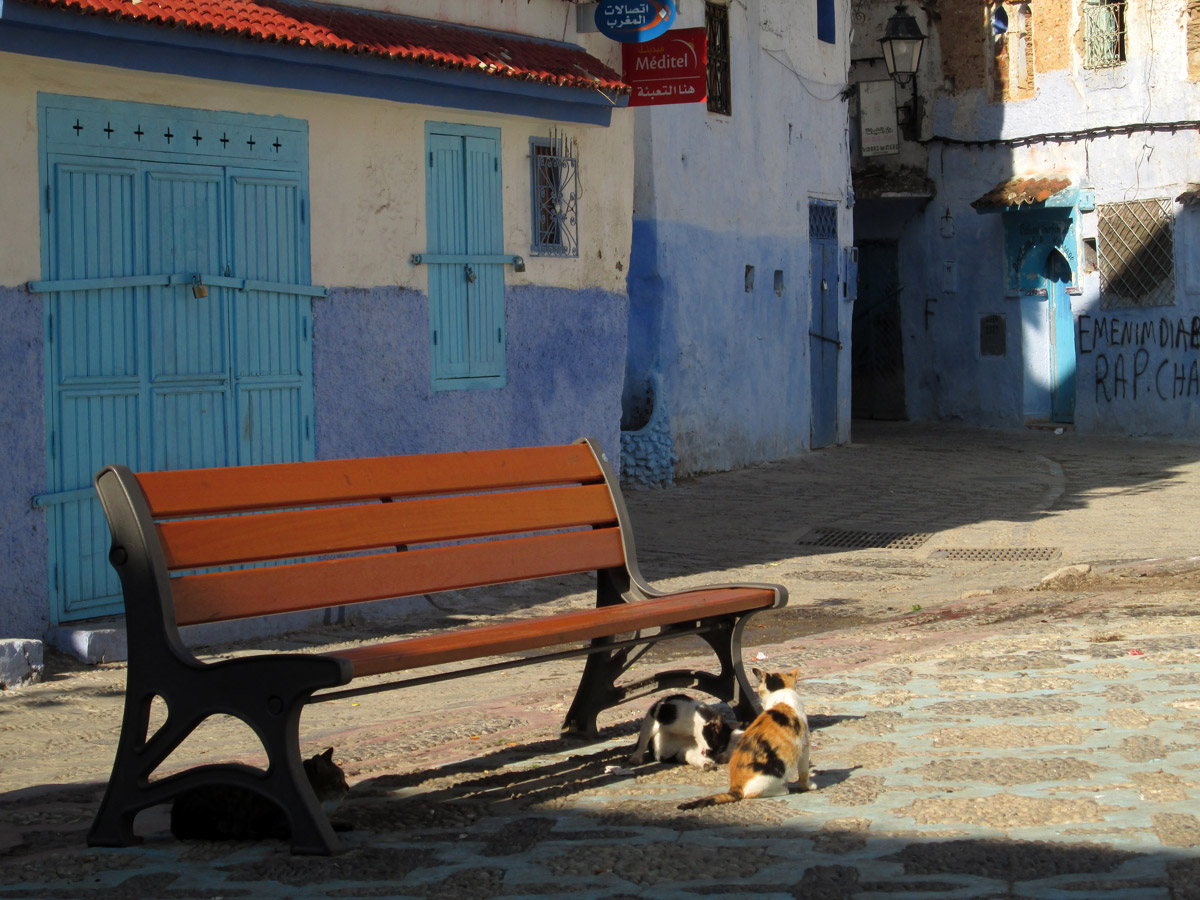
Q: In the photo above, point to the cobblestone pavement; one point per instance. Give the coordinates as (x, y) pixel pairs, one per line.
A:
(1001, 660)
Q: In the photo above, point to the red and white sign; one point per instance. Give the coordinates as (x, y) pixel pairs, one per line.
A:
(669, 69)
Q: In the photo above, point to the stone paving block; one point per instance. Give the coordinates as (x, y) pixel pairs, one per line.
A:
(20, 662)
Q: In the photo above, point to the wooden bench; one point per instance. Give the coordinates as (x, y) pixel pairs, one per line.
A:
(329, 533)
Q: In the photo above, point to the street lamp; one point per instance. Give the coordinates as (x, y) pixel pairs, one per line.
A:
(902, 42)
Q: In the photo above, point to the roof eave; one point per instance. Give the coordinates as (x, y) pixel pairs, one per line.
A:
(56, 34)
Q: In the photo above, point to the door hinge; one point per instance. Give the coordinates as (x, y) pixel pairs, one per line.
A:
(496, 164)
(50, 329)
(302, 211)
(435, 339)
(47, 199)
(431, 159)
(307, 428)
(499, 336)
(56, 578)
(53, 444)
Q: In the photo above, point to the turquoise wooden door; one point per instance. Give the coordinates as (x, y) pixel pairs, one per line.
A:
(465, 244)
(178, 322)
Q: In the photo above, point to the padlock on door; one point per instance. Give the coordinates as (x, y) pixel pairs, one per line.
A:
(471, 276)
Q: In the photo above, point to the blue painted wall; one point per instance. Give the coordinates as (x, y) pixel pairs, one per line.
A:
(374, 395)
(733, 363)
(24, 610)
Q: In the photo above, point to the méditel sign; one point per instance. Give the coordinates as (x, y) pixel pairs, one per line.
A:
(634, 21)
(670, 69)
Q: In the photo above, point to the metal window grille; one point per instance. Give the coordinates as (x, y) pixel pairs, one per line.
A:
(822, 221)
(1104, 33)
(1136, 249)
(716, 22)
(992, 336)
(554, 180)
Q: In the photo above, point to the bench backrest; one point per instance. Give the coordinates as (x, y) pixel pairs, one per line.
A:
(377, 527)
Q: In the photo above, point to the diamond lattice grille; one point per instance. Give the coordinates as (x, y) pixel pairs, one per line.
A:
(1136, 245)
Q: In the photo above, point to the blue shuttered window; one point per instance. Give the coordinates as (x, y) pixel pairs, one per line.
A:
(826, 22)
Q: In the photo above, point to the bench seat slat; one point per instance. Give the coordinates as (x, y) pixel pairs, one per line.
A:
(547, 631)
(219, 596)
(200, 543)
(190, 492)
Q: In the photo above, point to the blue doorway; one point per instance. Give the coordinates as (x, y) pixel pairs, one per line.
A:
(824, 337)
(1044, 241)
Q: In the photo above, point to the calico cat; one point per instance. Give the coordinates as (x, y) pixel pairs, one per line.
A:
(773, 751)
(231, 813)
(680, 729)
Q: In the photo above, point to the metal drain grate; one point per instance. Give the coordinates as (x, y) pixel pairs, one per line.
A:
(997, 554)
(861, 540)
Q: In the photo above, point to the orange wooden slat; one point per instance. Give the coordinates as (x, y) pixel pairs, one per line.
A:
(199, 543)
(218, 596)
(549, 631)
(203, 491)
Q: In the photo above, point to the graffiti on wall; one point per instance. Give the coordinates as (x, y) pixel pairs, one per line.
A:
(1142, 359)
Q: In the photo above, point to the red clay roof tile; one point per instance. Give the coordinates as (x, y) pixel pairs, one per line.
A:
(355, 31)
(1025, 189)
(1190, 197)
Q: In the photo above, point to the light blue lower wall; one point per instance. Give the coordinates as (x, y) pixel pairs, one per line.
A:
(374, 396)
(24, 611)
(566, 357)
(734, 364)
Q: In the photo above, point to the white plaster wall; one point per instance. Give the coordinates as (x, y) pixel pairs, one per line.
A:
(366, 178)
(731, 191)
(1151, 86)
(785, 139)
(550, 19)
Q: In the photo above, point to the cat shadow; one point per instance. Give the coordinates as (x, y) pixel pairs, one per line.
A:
(827, 778)
(818, 721)
(464, 792)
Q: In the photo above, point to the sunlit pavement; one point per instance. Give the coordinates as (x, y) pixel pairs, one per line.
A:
(977, 733)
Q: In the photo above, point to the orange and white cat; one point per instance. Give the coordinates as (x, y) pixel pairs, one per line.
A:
(773, 751)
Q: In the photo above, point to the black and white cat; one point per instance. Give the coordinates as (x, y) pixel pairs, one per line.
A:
(231, 813)
(681, 729)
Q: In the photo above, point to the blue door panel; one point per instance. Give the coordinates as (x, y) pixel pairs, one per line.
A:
(190, 429)
(103, 425)
(447, 234)
(272, 350)
(272, 425)
(184, 227)
(1063, 402)
(94, 368)
(94, 334)
(485, 309)
(824, 342)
